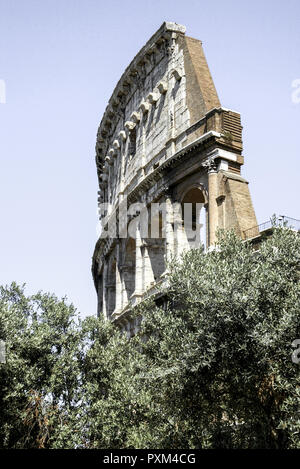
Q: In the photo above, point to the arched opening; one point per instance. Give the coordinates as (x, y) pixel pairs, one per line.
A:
(154, 247)
(194, 218)
(154, 259)
(111, 288)
(128, 271)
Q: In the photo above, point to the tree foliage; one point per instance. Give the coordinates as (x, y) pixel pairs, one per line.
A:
(222, 356)
(211, 368)
(39, 382)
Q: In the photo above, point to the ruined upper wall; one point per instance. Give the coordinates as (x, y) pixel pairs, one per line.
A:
(200, 89)
(164, 91)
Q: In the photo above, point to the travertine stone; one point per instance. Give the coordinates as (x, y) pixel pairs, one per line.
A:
(177, 73)
(122, 135)
(144, 106)
(153, 97)
(162, 87)
(164, 139)
(104, 298)
(130, 125)
(118, 307)
(138, 264)
(212, 204)
(169, 232)
(136, 117)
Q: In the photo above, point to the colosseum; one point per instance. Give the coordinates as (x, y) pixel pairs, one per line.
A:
(169, 160)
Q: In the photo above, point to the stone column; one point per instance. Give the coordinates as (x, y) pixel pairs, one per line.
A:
(122, 162)
(138, 265)
(212, 204)
(203, 227)
(181, 241)
(148, 276)
(177, 228)
(169, 232)
(104, 304)
(118, 306)
(171, 117)
(124, 291)
(206, 227)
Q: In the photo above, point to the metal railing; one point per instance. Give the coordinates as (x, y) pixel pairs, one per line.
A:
(282, 220)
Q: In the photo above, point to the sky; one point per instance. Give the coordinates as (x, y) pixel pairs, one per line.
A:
(59, 63)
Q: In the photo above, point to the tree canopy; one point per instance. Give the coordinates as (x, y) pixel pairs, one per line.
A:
(210, 368)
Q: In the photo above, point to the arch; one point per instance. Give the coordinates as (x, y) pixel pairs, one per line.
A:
(187, 188)
(193, 199)
(155, 250)
(193, 213)
(128, 270)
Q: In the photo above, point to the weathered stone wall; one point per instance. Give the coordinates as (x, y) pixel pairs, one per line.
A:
(164, 138)
(201, 93)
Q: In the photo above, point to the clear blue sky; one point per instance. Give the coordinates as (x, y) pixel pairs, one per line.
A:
(60, 61)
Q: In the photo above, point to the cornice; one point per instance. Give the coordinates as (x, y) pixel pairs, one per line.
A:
(128, 80)
(147, 182)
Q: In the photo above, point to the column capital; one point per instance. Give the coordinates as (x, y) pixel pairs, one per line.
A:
(210, 164)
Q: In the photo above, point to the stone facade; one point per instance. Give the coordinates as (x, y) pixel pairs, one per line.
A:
(164, 139)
